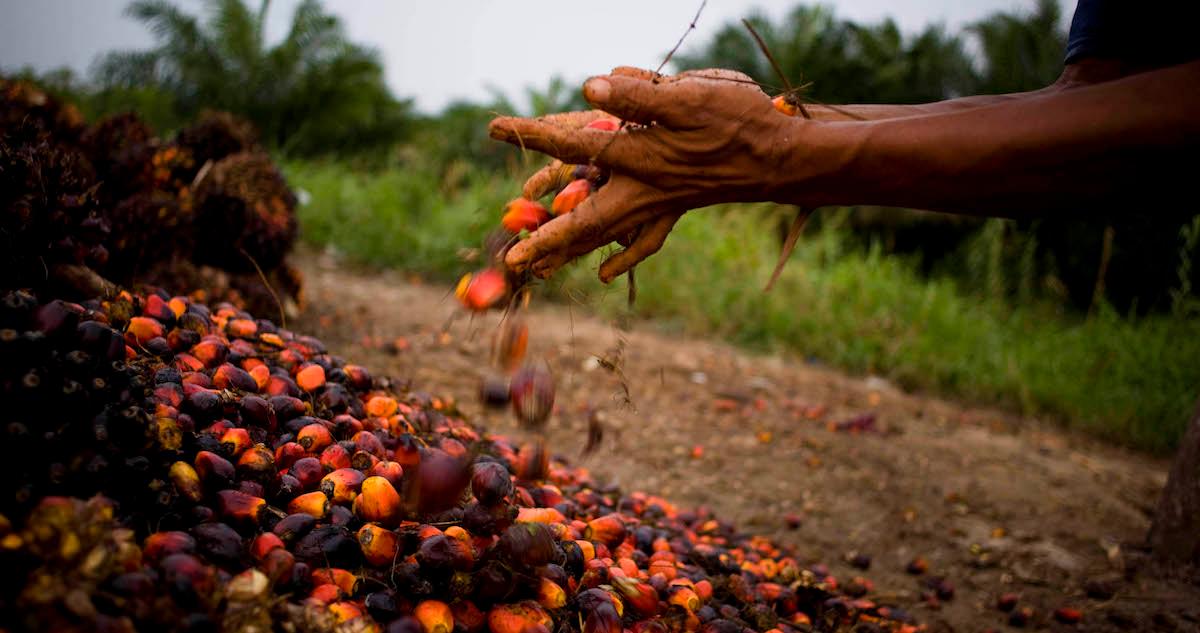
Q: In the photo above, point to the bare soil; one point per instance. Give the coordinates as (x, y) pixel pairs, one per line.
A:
(994, 502)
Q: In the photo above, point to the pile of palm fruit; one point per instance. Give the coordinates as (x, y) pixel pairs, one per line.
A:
(174, 466)
(88, 208)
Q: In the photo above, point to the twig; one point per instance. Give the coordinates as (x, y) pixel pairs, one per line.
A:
(270, 289)
(691, 27)
(775, 65)
(789, 245)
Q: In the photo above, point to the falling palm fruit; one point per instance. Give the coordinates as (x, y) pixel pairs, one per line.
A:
(571, 196)
(532, 389)
(523, 214)
(482, 290)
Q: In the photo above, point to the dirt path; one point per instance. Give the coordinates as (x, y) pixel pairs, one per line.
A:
(994, 503)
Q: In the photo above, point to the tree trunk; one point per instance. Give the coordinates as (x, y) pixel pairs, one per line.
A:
(1175, 533)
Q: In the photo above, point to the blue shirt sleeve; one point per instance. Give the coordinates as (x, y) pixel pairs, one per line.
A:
(1151, 33)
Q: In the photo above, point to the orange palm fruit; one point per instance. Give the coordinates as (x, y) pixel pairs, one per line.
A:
(241, 328)
(684, 597)
(160, 545)
(468, 616)
(311, 377)
(642, 597)
(523, 214)
(335, 456)
(342, 485)
(314, 504)
(141, 329)
(550, 595)
(381, 406)
(784, 106)
(278, 565)
(379, 544)
(257, 463)
(512, 342)
(608, 529)
(435, 616)
(314, 437)
(539, 515)
(519, 618)
(704, 590)
(666, 568)
(378, 502)
(322, 595)
(574, 193)
(482, 290)
(234, 441)
(533, 462)
(389, 470)
(263, 544)
(345, 611)
(186, 481)
(345, 580)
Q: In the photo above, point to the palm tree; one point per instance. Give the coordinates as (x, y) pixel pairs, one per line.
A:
(1020, 52)
(312, 92)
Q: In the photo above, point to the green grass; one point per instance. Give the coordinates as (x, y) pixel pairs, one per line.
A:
(1132, 381)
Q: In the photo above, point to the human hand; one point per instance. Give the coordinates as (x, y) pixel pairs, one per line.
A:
(695, 139)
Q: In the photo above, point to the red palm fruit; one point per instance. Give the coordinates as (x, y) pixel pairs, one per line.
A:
(261, 375)
(389, 470)
(335, 456)
(1068, 615)
(263, 544)
(322, 595)
(453, 447)
(481, 290)
(257, 463)
(704, 590)
(278, 565)
(310, 377)
(210, 351)
(314, 504)
(186, 481)
(468, 616)
(605, 124)
(520, 618)
(441, 479)
(185, 573)
(784, 106)
(160, 545)
(533, 462)
(378, 502)
(344, 580)
(603, 619)
(240, 508)
(357, 376)
(574, 193)
(550, 595)
(241, 328)
(272, 339)
(523, 214)
(141, 329)
(545, 516)
(214, 469)
(608, 529)
(234, 441)
(435, 616)
(666, 568)
(308, 471)
(287, 454)
(368, 442)
(342, 485)
(656, 626)
(381, 406)
(314, 437)
(684, 597)
(640, 596)
(490, 482)
(228, 376)
(532, 388)
(379, 544)
(408, 451)
(280, 386)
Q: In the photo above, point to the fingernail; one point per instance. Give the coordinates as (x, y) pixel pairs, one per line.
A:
(596, 90)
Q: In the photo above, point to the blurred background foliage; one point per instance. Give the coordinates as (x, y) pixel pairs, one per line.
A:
(1090, 322)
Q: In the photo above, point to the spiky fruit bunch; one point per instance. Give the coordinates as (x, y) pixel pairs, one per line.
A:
(23, 104)
(49, 214)
(122, 148)
(244, 210)
(213, 136)
(149, 228)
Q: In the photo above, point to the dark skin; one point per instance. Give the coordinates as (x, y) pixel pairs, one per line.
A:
(1103, 136)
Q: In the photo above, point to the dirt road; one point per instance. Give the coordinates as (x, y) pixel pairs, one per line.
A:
(993, 502)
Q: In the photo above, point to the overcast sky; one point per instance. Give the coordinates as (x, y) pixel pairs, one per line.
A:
(441, 50)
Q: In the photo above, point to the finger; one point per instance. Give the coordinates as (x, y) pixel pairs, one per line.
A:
(570, 145)
(548, 265)
(645, 102)
(648, 242)
(637, 73)
(550, 178)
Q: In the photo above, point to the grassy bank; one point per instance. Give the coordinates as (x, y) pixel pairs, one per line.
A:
(1130, 380)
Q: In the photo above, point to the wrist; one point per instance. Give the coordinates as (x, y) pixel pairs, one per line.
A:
(818, 163)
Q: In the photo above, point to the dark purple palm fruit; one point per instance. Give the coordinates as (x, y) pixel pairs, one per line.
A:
(213, 136)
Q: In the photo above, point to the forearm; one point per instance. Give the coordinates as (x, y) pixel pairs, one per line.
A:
(875, 112)
(1095, 145)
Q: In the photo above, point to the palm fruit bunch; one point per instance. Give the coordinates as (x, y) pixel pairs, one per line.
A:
(213, 136)
(178, 467)
(245, 211)
(23, 104)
